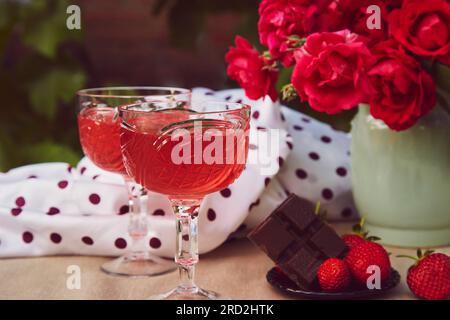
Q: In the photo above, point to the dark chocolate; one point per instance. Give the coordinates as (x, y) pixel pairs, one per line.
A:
(297, 240)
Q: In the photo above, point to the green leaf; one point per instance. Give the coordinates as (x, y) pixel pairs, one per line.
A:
(45, 37)
(356, 228)
(56, 86)
(284, 78)
(419, 253)
(50, 152)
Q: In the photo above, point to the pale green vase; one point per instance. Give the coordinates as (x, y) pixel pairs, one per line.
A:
(401, 180)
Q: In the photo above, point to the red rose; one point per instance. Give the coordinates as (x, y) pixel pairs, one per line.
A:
(280, 19)
(331, 71)
(393, 3)
(358, 18)
(404, 91)
(331, 16)
(423, 27)
(253, 72)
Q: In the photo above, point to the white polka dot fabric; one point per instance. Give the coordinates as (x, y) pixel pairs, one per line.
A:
(52, 208)
(318, 168)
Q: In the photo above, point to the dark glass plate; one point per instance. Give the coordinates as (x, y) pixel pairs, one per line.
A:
(280, 281)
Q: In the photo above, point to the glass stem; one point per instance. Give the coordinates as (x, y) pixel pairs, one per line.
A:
(186, 255)
(138, 225)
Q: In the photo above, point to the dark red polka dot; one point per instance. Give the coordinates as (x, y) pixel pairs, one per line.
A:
(227, 98)
(82, 170)
(254, 204)
(282, 117)
(95, 177)
(314, 156)
(325, 139)
(20, 201)
(32, 177)
(27, 237)
(301, 174)
(124, 209)
(209, 93)
(298, 128)
(63, 184)
(290, 145)
(255, 115)
(16, 211)
(159, 212)
(239, 101)
(185, 237)
(87, 240)
(94, 198)
(69, 168)
(266, 181)
(327, 194)
(120, 243)
(306, 120)
(226, 193)
(155, 243)
(280, 161)
(252, 146)
(346, 212)
(52, 211)
(55, 237)
(341, 171)
(211, 215)
(261, 128)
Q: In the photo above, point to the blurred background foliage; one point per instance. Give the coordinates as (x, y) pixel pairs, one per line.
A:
(38, 78)
(132, 42)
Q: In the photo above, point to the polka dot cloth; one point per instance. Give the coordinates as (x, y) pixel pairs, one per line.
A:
(318, 168)
(53, 208)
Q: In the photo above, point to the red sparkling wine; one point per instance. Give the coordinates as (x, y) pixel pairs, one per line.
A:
(149, 148)
(99, 130)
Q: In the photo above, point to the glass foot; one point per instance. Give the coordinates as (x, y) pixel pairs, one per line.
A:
(138, 264)
(195, 293)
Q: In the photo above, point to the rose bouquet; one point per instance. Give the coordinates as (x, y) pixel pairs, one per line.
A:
(390, 54)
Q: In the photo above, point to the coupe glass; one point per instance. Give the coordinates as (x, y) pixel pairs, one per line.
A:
(99, 130)
(185, 154)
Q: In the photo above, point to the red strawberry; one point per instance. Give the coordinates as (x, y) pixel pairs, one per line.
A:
(334, 275)
(366, 254)
(358, 236)
(429, 277)
(352, 240)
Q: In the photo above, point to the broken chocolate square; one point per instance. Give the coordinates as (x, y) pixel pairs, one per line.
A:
(297, 240)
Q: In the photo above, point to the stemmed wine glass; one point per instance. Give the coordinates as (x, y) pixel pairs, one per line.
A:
(99, 130)
(185, 154)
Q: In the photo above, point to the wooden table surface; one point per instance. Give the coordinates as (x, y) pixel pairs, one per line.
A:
(237, 270)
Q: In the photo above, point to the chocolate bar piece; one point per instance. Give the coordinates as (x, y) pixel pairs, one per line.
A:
(297, 240)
